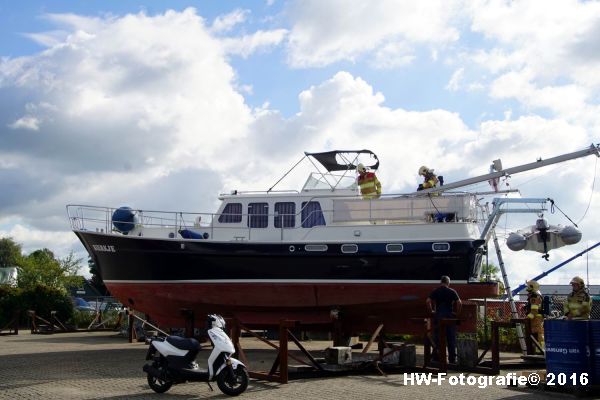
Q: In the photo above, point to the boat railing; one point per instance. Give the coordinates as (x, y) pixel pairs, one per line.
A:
(245, 226)
(451, 208)
(237, 192)
(100, 219)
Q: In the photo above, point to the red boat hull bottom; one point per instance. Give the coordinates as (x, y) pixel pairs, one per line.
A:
(360, 307)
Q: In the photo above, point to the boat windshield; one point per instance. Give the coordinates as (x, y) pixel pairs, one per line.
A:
(318, 181)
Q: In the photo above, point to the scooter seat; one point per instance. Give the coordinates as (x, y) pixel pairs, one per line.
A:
(184, 343)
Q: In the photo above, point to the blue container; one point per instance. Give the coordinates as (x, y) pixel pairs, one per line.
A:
(567, 348)
(595, 351)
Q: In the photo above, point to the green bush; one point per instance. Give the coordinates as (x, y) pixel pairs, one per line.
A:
(81, 319)
(40, 298)
(44, 299)
(9, 303)
(509, 340)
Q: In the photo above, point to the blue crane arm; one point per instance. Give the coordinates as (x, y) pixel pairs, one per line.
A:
(521, 287)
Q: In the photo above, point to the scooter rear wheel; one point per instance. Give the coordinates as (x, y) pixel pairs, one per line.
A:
(233, 385)
(158, 385)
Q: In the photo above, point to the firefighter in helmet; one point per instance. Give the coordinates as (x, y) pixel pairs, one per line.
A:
(370, 187)
(430, 180)
(534, 308)
(579, 302)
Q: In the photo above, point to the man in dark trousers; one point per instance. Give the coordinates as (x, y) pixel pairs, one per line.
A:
(444, 302)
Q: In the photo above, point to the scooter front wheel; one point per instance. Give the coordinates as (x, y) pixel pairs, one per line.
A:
(158, 385)
(233, 382)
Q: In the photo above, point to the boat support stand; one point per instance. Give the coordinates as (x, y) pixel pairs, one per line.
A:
(279, 369)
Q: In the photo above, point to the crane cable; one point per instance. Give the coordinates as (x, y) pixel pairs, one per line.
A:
(591, 194)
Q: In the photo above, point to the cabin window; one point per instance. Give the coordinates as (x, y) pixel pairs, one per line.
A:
(349, 248)
(394, 248)
(231, 214)
(258, 215)
(285, 212)
(440, 246)
(312, 214)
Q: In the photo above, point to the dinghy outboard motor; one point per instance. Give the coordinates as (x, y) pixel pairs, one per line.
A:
(124, 219)
(542, 226)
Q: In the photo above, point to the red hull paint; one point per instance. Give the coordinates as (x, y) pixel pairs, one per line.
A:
(362, 306)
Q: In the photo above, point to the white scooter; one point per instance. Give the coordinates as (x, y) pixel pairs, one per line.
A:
(173, 361)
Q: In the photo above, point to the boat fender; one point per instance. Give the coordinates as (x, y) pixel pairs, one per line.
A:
(124, 219)
(516, 241)
(189, 234)
(570, 235)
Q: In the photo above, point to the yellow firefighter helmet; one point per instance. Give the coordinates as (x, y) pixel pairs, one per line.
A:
(423, 170)
(532, 286)
(578, 280)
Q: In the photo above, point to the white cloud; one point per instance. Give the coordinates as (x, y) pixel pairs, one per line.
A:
(455, 81)
(248, 44)
(542, 56)
(27, 122)
(117, 105)
(345, 112)
(393, 55)
(142, 75)
(224, 23)
(324, 32)
(48, 39)
(34, 239)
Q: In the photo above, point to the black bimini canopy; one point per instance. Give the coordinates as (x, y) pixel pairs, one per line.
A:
(342, 160)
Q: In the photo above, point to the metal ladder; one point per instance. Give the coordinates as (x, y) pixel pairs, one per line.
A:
(490, 232)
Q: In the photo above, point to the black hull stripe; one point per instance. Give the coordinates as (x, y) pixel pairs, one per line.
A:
(282, 281)
(120, 258)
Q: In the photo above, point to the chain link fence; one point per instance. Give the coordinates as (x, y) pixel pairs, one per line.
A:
(498, 310)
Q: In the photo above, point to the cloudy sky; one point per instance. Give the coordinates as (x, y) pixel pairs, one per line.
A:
(165, 105)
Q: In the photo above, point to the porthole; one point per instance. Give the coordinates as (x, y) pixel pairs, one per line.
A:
(315, 247)
(292, 249)
(349, 248)
(440, 246)
(394, 248)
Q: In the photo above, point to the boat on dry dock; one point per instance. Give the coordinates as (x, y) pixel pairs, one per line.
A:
(306, 255)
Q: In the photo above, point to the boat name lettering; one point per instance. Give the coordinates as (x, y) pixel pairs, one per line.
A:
(104, 248)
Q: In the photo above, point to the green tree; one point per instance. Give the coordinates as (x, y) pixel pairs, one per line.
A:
(10, 253)
(491, 273)
(42, 268)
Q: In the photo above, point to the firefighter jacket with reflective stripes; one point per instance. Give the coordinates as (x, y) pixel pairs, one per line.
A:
(430, 180)
(578, 305)
(370, 188)
(534, 304)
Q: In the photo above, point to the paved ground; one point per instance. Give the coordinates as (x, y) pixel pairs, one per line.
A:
(101, 365)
